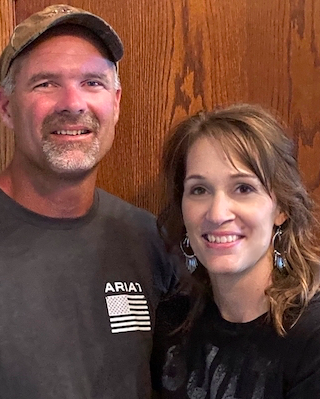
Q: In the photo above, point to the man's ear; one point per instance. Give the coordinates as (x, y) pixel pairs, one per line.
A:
(5, 112)
(117, 99)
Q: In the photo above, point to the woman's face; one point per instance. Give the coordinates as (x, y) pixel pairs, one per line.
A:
(228, 215)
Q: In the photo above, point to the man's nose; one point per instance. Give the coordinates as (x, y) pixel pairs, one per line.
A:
(71, 100)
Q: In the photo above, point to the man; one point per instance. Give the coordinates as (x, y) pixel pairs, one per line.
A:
(81, 271)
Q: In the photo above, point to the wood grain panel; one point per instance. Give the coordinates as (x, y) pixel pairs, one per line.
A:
(7, 21)
(304, 72)
(185, 55)
(266, 59)
(177, 61)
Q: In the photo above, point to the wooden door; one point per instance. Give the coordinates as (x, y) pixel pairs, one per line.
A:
(184, 55)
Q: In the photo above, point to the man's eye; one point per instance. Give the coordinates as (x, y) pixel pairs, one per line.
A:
(44, 84)
(93, 83)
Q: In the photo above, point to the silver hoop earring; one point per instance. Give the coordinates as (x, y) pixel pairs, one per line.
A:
(191, 260)
(279, 260)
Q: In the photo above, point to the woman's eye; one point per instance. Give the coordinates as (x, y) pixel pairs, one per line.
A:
(245, 188)
(198, 191)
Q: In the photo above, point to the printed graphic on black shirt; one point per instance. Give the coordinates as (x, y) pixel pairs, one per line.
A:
(127, 307)
(219, 374)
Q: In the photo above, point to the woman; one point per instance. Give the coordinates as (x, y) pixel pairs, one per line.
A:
(243, 220)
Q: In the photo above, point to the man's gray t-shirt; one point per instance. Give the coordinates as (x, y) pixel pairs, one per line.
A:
(78, 300)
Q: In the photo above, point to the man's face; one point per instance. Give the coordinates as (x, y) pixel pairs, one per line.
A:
(64, 107)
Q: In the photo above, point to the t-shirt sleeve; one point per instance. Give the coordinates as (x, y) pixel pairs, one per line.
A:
(170, 315)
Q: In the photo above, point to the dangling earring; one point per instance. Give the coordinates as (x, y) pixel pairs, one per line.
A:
(279, 261)
(191, 260)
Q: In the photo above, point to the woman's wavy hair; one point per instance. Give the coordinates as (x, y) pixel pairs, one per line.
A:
(259, 140)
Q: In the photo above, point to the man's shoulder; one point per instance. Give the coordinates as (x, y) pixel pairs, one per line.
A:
(138, 229)
(119, 208)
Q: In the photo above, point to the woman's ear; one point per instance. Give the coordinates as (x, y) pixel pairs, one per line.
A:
(280, 218)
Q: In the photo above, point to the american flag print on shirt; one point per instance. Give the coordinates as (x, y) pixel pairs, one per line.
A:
(128, 312)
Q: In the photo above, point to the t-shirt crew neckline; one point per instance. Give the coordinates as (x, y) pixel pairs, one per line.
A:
(236, 326)
(14, 208)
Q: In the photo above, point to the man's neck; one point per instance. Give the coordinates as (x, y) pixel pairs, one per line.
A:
(50, 195)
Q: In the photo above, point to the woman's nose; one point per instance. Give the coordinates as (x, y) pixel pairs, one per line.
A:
(220, 209)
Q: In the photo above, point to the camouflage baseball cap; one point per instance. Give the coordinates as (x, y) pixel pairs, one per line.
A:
(34, 26)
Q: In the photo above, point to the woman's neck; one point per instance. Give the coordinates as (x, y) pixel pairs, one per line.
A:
(242, 298)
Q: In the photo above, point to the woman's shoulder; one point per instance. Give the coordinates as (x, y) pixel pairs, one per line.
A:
(171, 313)
(305, 333)
(308, 323)
(170, 316)
(302, 357)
